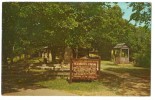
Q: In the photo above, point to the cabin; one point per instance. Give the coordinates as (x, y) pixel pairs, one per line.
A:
(120, 54)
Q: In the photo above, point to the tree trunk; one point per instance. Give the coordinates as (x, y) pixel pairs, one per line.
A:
(88, 53)
(76, 52)
(11, 58)
(4, 62)
(20, 57)
(53, 51)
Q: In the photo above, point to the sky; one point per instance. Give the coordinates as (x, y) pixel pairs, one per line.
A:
(126, 16)
(127, 10)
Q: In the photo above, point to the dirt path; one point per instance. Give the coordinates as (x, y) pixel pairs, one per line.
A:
(132, 85)
(39, 92)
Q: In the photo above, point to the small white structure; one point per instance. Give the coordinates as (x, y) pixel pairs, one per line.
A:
(120, 54)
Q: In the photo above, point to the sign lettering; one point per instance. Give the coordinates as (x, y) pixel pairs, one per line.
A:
(84, 69)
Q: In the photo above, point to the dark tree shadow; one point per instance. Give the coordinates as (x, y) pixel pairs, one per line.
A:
(111, 81)
(141, 73)
(130, 82)
(18, 77)
(136, 83)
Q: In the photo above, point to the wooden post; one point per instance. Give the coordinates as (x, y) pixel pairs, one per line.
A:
(99, 67)
(70, 80)
(114, 56)
(76, 52)
(128, 55)
(120, 55)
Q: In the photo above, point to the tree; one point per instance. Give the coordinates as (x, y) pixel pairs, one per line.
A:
(141, 13)
(9, 28)
(28, 27)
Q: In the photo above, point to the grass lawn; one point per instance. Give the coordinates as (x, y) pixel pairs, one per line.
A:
(80, 88)
(122, 80)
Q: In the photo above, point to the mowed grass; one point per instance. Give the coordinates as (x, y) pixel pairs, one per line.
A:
(74, 87)
(80, 88)
(111, 82)
(108, 85)
(126, 68)
(65, 85)
(96, 87)
(109, 64)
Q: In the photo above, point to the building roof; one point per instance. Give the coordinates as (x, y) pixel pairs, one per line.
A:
(121, 45)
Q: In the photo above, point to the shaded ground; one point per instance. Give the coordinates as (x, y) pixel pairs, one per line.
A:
(40, 92)
(115, 80)
(126, 79)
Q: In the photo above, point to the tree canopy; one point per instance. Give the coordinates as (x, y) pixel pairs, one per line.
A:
(141, 13)
(27, 27)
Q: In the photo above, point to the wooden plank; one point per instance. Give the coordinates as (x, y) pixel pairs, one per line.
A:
(84, 69)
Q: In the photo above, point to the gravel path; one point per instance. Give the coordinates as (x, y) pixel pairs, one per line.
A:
(39, 92)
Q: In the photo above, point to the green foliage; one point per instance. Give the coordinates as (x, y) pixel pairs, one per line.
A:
(27, 27)
(140, 46)
(141, 13)
(142, 59)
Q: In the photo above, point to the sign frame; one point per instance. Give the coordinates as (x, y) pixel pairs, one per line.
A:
(84, 69)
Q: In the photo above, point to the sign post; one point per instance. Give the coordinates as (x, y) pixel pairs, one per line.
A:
(84, 69)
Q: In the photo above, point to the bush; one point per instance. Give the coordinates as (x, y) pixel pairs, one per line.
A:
(142, 59)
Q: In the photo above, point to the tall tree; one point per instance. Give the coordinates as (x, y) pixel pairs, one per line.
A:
(28, 27)
(141, 13)
(10, 26)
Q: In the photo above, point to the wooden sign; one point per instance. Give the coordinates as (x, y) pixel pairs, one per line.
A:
(84, 69)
